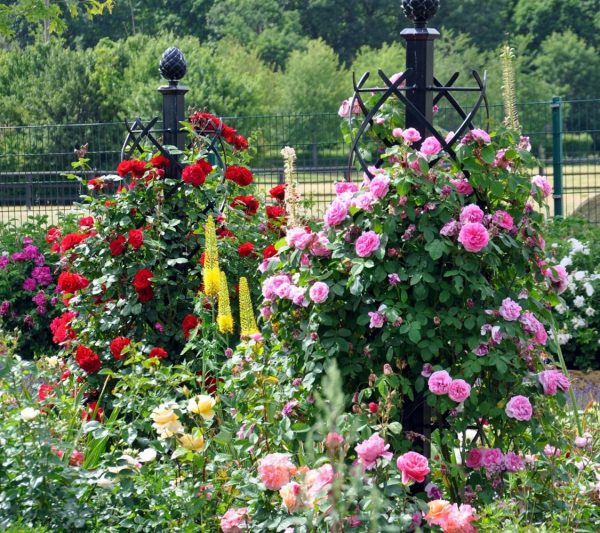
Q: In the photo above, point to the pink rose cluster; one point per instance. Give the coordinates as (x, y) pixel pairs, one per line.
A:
(310, 489)
(534, 327)
(305, 239)
(472, 233)
(552, 381)
(281, 286)
(558, 277)
(451, 518)
(235, 520)
(493, 460)
(440, 383)
(519, 408)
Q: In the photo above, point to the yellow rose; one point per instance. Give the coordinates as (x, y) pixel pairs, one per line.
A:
(193, 442)
(202, 405)
(164, 414)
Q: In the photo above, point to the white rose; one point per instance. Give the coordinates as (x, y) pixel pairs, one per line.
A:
(29, 413)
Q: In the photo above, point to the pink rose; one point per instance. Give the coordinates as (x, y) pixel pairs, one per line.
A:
(379, 185)
(414, 467)
(315, 483)
(439, 382)
(367, 243)
(344, 110)
(430, 146)
(510, 310)
(480, 136)
(450, 229)
(558, 277)
(319, 292)
(493, 459)
(551, 451)
(503, 220)
(299, 238)
(552, 380)
(235, 520)
(275, 470)
(336, 213)
(513, 462)
(377, 319)
(471, 213)
(370, 450)
(534, 327)
(397, 132)
(459, 390)
(343, 187)
(462, 186)
(333, 441)
(363, 201)
(475, 458)
(519, 408)
(395, 77)
(320, 245)
(411, 135)
(540, 183)
(272, 285)
(474, 237)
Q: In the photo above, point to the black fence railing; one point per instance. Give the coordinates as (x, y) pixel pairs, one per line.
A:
(34, 159)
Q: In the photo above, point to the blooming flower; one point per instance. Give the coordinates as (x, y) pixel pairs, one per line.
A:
(202, 405)
(503, 220)
(462, 186)
(439, 382)
(471, 213)
(540, 183)
(275, 470)
(430, 146)
(87, 359)
(29, 413)
(379, 185)
(370, 450)
(414, 467)
(474, 237)
(193, 442)
(411, 135)
(475, 458)
(367, 243)
(552, 380)
(290, 496)
(510, 310)
(319, 292)
(519, 407)
(235, 520)
(166, 421)
(459, 390)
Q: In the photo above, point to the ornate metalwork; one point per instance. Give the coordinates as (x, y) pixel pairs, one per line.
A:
(397, 89)
(420, 11)
(172, 66)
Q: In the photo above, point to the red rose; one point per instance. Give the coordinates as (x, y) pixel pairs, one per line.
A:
(240, 142)
(96, 183)
(373, 407)
(53, 235)
(44, 391)
(158, 352)
(87, 359)
(205, 166)
(71, 283)
(189, 323)
(117, 345)
(228, 133)
(136, 238)
(240, 175)
(246, 249)
(88, 412)
(134, 167)
(278, 192)
(60, 329)
(160, 161)
(86, 222)
(194, 175)
(141, 280)
(269, 251)
(224, 232)
(117, 246)
(208, 383)
(145, 295)
(77, 458)
(249, 204)
(71, 240)
(274, 211)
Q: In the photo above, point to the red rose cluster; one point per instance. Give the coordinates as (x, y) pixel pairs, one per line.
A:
(135, 239)
(86, 222)
(117, 345)
(70, 240)
(131, 166)
(196, 174)
(209, 124)
(60, 328)
(160, 161)
(87, 359)
(143, 286)
(246, 249)
(240, 175)
(160, 353)
(189, 323)
(71, 283)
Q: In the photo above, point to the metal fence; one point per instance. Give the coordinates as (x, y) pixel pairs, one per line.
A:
(565, 136)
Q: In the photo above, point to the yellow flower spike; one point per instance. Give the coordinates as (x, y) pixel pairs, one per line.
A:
(224, 317)
(212, 277)
(247, 321)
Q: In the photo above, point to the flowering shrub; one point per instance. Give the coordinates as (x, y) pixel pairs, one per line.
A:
(28, 297)
(578, 322)
(429, 279)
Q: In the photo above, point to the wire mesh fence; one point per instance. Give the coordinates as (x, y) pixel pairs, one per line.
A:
(35, 159)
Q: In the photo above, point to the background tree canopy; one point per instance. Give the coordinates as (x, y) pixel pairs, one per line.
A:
(271, 56)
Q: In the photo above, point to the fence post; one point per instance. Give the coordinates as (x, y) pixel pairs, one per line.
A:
(29, 192)
(416, 416)
(173, 67)
(557, 154)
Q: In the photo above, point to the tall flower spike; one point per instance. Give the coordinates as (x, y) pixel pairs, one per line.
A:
(212, 277)
(247, 321)
(292, 196)
(509, 93)
(224, 318)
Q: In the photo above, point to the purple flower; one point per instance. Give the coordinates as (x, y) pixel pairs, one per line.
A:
(42, 274)
(53, 301)
(30, 251)
(4, 260)
(433, 492)
(27, 241)
(4, 308)
(427, 370)
(40, 310)
(28, 321)
(159, 327)
(288, 408)
(39, 298)
(29, 284)
(377, 319)
(393, 279)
